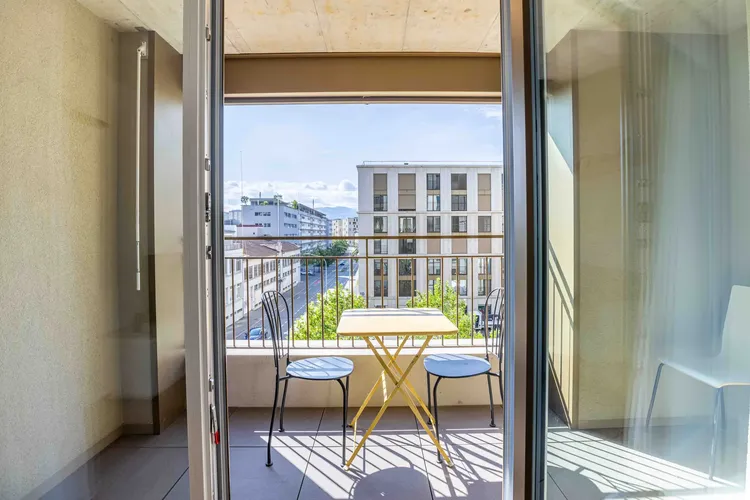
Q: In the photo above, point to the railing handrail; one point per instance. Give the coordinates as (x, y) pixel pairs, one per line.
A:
(409, 236)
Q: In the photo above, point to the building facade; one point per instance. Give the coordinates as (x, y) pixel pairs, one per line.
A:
(347, 228)
(255, 269)
(448, 203)
(275, 217)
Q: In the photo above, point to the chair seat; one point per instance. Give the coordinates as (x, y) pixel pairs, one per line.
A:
(456, 365)
(717, 372)
(324, 368)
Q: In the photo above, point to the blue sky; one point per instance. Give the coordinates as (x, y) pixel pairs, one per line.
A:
(311, 151)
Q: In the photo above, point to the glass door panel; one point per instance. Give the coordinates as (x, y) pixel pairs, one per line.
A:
(648, 282)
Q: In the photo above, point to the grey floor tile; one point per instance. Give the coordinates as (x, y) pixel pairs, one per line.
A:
(250, 478)
(397, 427)
(181, 490)
(249, 427)
(553, 491)
(173, 436)
(378, 472)
(125, 473)
(476, 473)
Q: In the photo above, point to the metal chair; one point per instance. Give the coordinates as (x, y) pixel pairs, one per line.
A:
(731, 367)
(322, 368)
(465, 365)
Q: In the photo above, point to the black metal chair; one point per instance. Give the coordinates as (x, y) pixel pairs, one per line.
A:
(323, 368)
(467, 366)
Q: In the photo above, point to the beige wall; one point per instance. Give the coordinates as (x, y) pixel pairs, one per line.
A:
(250, 382)
(59, 370)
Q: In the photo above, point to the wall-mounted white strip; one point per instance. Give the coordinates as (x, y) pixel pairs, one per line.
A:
(142, 54)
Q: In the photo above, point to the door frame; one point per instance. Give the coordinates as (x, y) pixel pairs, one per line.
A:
(524, 454)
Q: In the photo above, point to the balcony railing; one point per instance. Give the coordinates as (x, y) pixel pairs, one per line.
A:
(319, 288)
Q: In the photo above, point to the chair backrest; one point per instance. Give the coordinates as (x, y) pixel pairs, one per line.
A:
(494, 322)
(275, 307)
(735, 343)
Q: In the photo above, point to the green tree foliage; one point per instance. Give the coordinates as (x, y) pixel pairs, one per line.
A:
(337, 249)
(330, 317)
(294, 204)
(244, 200)
(448, 305)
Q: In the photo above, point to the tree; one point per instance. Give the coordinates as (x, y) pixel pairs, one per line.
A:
(450, 305)
(294, 204)
(339, 248)
(245, 200)
(330, 318)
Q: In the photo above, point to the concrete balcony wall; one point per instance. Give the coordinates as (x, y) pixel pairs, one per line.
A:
(250, 381)
(59, 369)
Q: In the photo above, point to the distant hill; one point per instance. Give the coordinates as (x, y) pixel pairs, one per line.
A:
(338, 212)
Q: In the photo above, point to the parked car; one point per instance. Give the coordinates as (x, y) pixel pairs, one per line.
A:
(256, 335)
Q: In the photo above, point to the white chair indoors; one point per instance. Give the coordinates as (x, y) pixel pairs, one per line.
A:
(731, 367)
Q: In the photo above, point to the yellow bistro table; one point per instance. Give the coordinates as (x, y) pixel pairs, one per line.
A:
(374, 324)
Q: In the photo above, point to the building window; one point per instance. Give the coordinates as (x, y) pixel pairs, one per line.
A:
(407, 224)
(462, 266)
(380, 203)
(404, 288)
(458, 202)
(433, 202)
(433, 267)
(381, 288)
(433, 182)
(433, 224)
(406, 267)
(458, 182)
(238, 266)
(458, 223)
(485, 223)
(380, 247)
(483, 287)
(431, 286)
(462, 287)
(407, 246)
(380, 225)
(380, 267)
(407, 192)
(485, 266)
(484, 191)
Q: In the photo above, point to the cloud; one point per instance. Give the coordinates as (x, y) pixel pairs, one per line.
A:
(494, 112)
(344, 194)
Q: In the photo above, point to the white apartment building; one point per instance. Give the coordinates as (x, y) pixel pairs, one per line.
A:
(347, 228)
(439, 199)
(276, 217)
(254, 270)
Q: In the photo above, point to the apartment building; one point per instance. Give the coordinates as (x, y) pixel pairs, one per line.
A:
(276, 217)
(347, 227)
(439, 200)
(251, 268)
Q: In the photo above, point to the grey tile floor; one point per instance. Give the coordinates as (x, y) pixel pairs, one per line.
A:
(398, 462)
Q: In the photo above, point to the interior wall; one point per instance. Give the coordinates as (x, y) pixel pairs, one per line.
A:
(59, 369)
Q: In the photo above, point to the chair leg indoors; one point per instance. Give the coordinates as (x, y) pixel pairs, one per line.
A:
(653, 394)
(283, 405)
(717, 404)
(343, 421)
(492, 402)
(435, 414)
(269, 463)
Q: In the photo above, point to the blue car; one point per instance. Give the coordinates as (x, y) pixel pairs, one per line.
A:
(255, 334)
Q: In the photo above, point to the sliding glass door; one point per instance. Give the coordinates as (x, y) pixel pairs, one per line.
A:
(644, 121)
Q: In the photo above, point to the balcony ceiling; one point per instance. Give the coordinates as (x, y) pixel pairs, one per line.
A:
(440, 26)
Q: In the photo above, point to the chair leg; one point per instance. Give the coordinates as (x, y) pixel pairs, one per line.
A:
(283, 405)
(269, 463)
(653, 394)
(435, 414)
(717, 404)
(343, 422)
(429, 398)
(346, 404)
(492, 402)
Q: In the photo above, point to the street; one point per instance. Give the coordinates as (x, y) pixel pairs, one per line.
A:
(240, 329)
